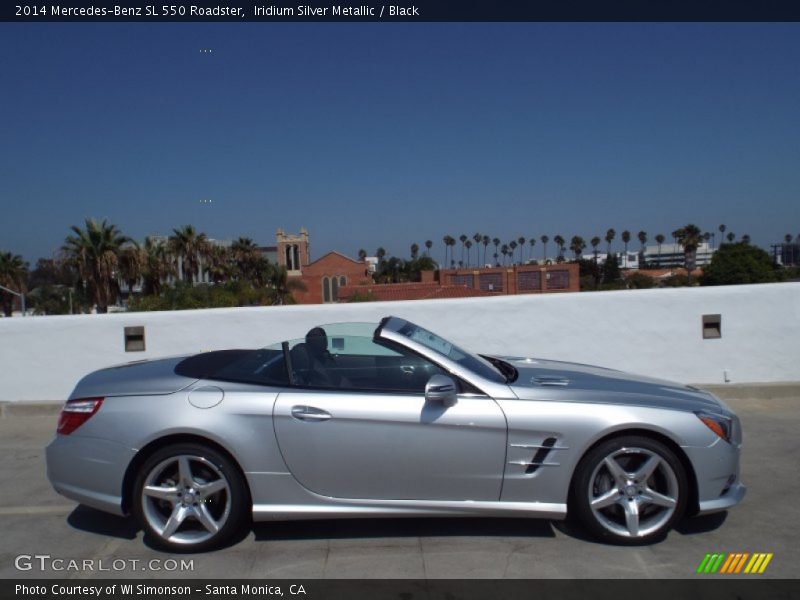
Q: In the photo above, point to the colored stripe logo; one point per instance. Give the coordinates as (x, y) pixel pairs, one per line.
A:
(735, 563)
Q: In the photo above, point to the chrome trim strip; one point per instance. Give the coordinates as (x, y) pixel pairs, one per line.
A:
(539, 446)
(335, 507)
(526, 463)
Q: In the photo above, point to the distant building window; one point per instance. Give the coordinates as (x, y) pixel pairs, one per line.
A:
(528, 281)
(491, 282)
(326, 289)
(335, 288)
(342, 281)
(462, 280)
(557, 280)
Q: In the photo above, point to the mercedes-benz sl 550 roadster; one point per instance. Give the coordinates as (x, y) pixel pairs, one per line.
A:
(389, 420)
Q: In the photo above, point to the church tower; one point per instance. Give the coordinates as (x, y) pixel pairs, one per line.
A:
(293, 251)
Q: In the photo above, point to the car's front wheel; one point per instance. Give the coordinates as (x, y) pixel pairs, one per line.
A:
(189, 497)
(629, 490)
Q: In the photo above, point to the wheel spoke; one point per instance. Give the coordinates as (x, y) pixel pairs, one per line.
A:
(207, 489)
(185, 470)
(607, 499)
(632, 517)
(650, 496)
(162, 493)
(615, 469)
(206, 520)
(648, 468)
(177, 517)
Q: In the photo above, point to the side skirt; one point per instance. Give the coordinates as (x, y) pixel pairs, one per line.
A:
(352, 509)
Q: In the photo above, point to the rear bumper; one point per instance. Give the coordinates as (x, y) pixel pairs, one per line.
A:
(89, 470)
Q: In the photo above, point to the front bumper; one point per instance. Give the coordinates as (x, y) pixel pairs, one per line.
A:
(89, 470)
(718, 479)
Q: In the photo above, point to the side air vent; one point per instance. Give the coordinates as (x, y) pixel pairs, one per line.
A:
(540, 456)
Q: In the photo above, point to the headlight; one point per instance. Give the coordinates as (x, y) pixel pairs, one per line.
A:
(719, 424)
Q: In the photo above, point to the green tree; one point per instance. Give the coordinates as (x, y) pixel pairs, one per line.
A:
(690, 237)
(577, 245)
(660, 240)
(428, 246)
(189, 247)
(740, 263)
(132, 262)
(362, 254)
(560, 241)
(281, 286)
(414, 250)
(94, 252)
(610, 235)
(245, 254)
(521, 241)
(485, 240)
(496, 242)
(626, 238)
(14, 276)
(463, 239)
(544, 239)
(595, 241)
(158, 266)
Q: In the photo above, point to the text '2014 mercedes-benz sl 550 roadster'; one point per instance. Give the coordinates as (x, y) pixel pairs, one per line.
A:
(389, 420)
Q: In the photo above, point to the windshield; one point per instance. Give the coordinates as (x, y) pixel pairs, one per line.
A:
(438, 344)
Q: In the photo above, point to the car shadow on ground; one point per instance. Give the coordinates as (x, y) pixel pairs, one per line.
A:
(88, 519)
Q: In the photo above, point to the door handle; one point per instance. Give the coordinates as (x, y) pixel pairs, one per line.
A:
(309, 413)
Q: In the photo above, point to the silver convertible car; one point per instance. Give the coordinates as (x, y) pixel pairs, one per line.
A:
(389, 420)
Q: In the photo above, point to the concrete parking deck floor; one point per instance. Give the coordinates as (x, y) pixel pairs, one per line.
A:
(36, 521)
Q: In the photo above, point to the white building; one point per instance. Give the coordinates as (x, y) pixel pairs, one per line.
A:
(673, 255)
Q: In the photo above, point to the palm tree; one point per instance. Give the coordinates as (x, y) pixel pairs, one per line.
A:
(689, 236)
(626, 237)
(446, 242)
(414, 250)
(559, 240)
(468, 244)
(513, 245)
(659, 240)
(722, 229)
(380, 253)
(281, 286)
(730, 237)
(577, 244)
(544, 240)
(532, 243)
(496, 242)
(642, 235)
(462, 238)
(746, 238)
(485, 241)
(788, 238)
(362, 255)
(219, 267)
(157, 268)
(132, 263)
(245, 254)
(13, 275)
(610, 235)
(504, 252)
(595, 242)
(188, 246)
(428, 246)
(521, 241)
(94, 252)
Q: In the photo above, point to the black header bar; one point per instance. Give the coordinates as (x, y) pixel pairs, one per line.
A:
(413, 11)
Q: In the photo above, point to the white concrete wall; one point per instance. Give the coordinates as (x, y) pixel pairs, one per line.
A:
(652, 332)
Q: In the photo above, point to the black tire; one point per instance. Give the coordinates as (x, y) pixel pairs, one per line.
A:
(629, 505)
(209, 506)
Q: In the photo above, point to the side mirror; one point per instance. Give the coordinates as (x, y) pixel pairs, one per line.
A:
(441, 389)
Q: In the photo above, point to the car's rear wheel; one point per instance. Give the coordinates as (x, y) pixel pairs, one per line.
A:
(629, 490)
(189, 497)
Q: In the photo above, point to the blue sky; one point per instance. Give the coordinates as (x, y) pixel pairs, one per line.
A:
(386, 134)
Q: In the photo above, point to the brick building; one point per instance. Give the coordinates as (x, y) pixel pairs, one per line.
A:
(517, 279)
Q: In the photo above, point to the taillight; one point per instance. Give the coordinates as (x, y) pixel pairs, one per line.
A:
(76, 412)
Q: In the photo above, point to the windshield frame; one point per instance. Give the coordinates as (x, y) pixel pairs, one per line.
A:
(398, 329)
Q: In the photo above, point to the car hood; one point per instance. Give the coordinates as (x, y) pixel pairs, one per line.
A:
(134, 379)
(541, 379)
